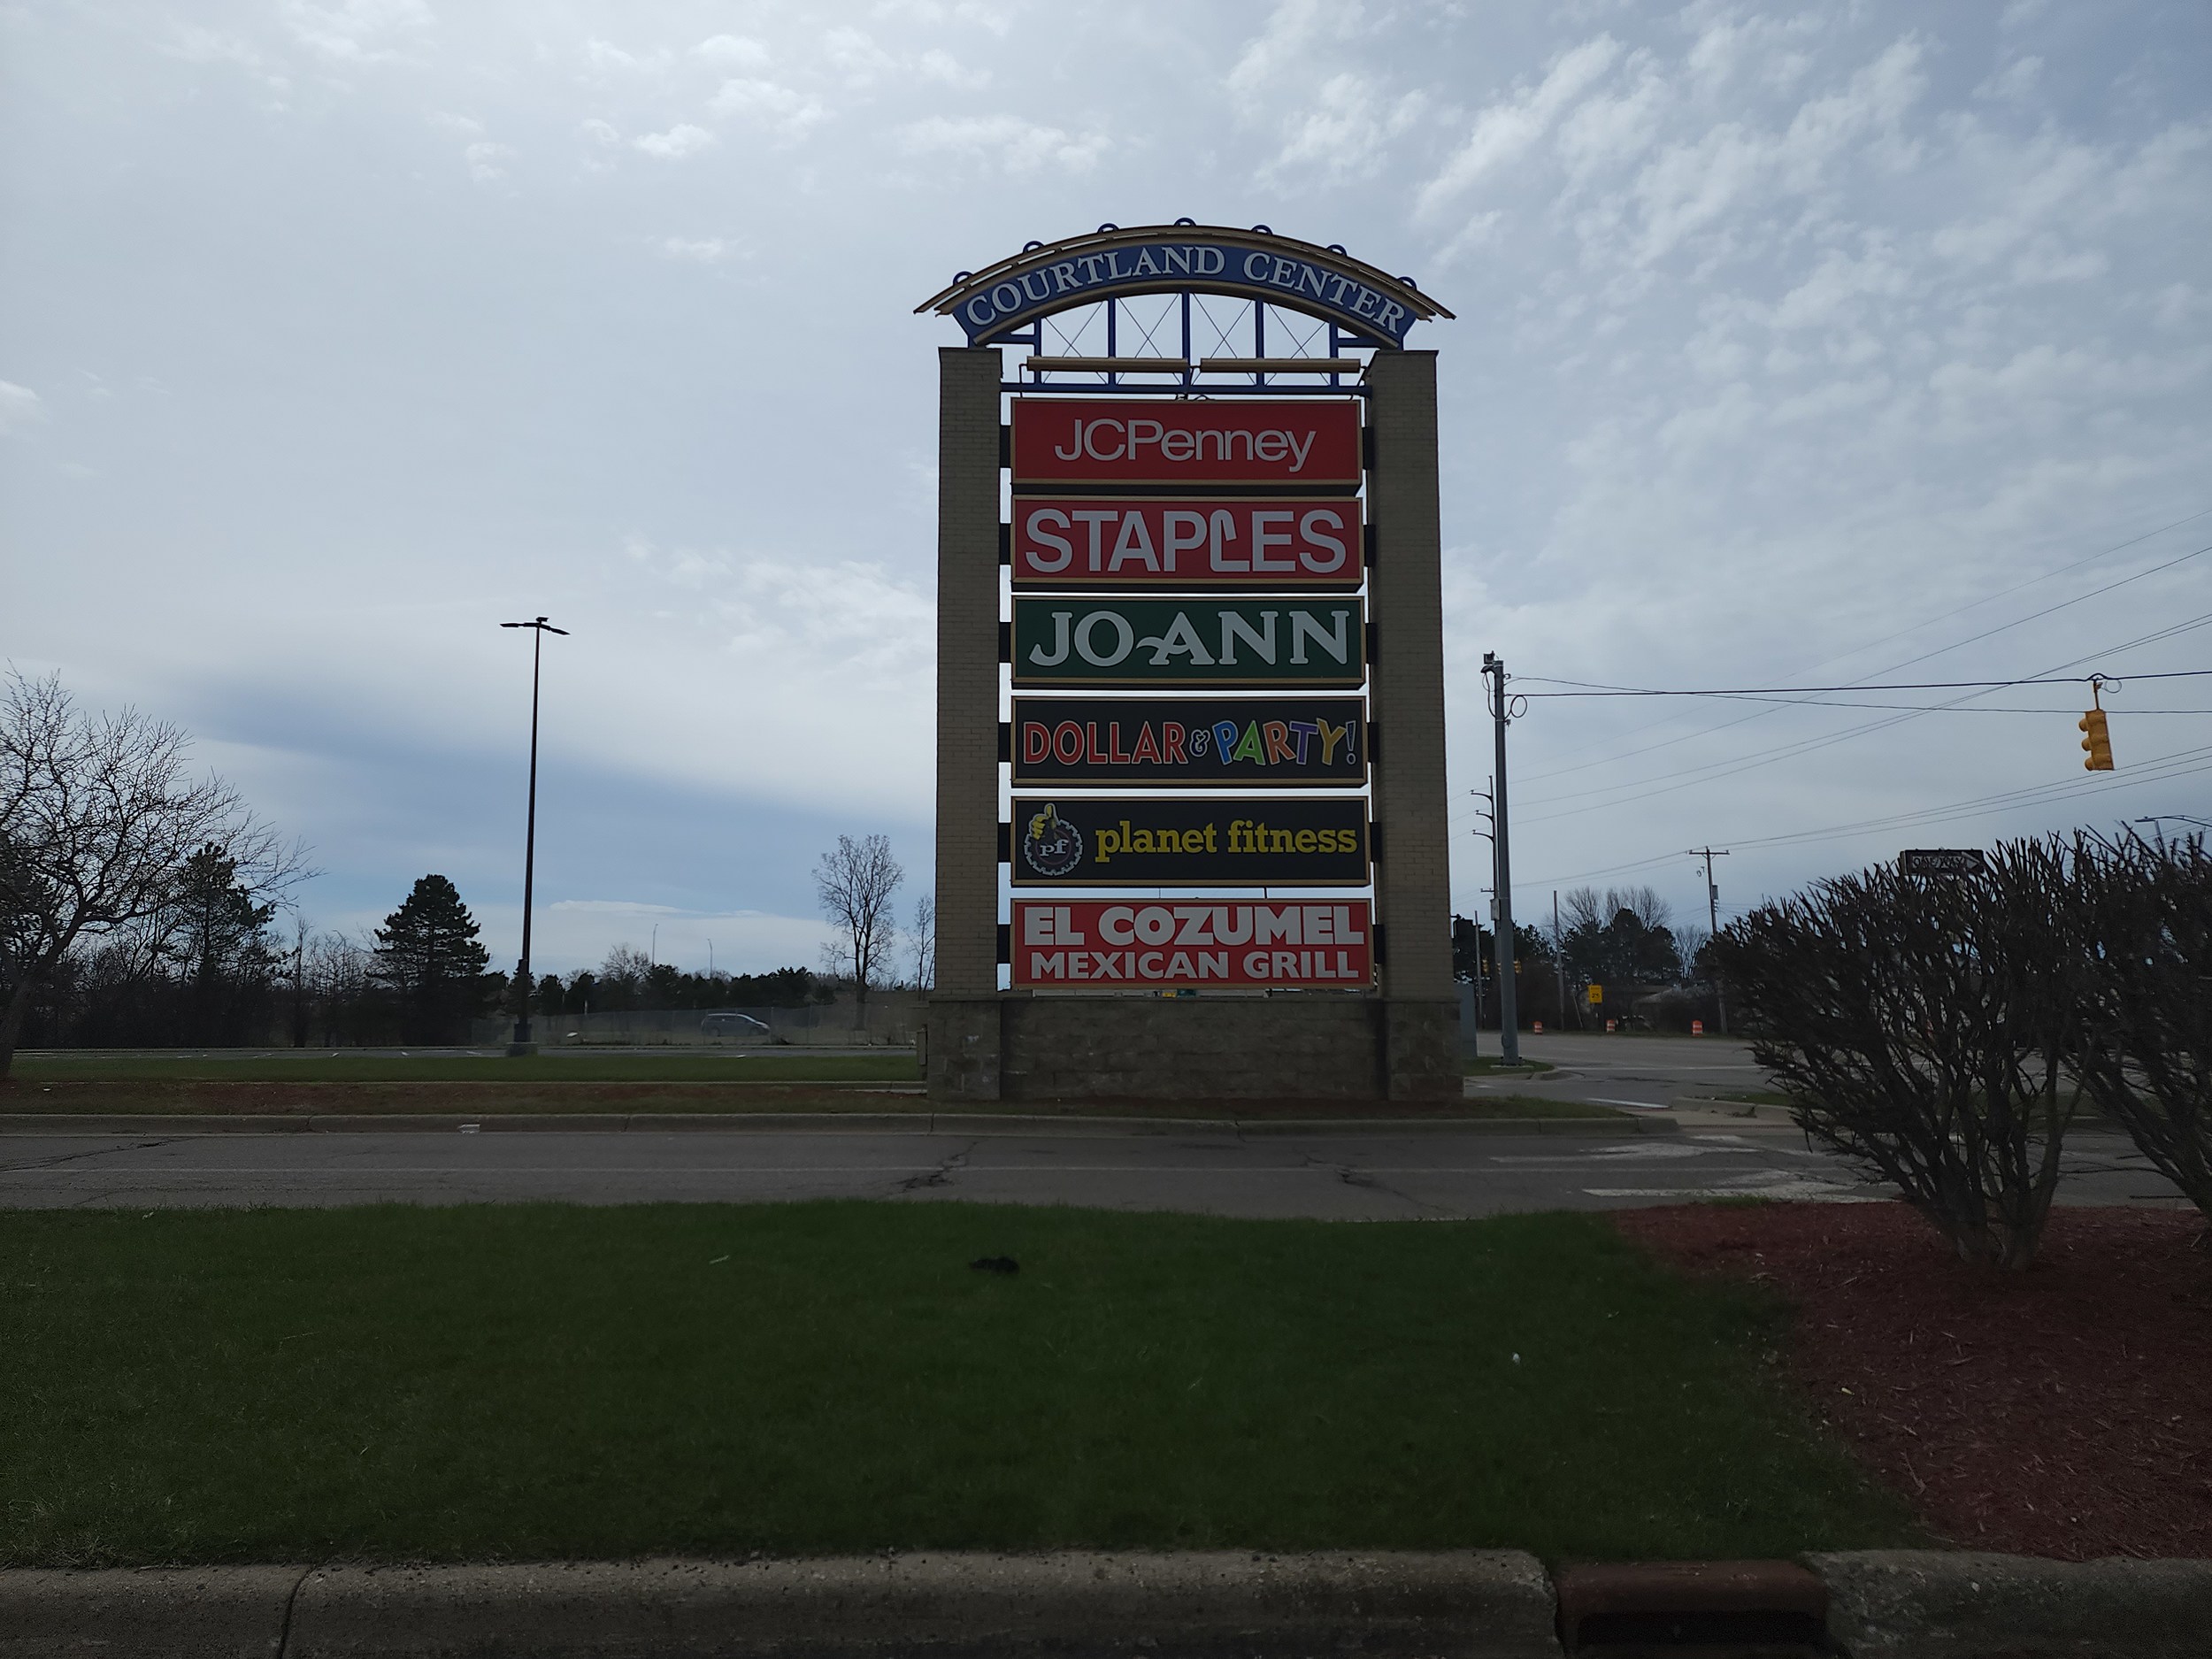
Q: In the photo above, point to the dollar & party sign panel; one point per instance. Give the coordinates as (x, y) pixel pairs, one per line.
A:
(1190, 742)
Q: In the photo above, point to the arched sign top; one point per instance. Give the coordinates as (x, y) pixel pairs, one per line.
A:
(1253, 265)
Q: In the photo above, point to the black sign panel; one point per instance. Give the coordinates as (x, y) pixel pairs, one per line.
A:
(1190, 842)
(1190, 742)
(1940, 861)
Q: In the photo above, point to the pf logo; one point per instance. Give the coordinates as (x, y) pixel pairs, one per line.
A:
(1053, 846)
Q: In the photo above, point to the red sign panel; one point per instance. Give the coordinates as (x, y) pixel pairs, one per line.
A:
(1321, 944)
(1159, 541)
(1230, 440)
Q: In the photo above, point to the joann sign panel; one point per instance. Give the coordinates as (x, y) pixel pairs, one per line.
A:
(1200, 945)
(1174, 643)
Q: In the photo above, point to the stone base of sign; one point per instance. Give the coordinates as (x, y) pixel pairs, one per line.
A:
(1016, 1047)
(1421, 1049)
(965, 1043)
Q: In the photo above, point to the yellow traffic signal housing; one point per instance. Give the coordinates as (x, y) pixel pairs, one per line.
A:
(2096, 742)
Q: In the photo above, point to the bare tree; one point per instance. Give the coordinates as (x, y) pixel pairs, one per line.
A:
(922, 935)
(97, 817)
(1583, 908)
(1642, 902)
(855, 883)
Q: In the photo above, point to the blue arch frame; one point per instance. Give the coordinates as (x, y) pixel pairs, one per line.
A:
(1363, 307)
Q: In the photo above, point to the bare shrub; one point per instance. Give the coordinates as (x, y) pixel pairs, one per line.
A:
(2146, 1057)
(1923, 1028)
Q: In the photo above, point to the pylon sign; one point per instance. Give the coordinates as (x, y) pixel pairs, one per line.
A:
(1190, 677)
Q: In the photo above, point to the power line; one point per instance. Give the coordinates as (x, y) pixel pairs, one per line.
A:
(1729, 768)
(2160, 769)
(1971, 604)
(1594, 688)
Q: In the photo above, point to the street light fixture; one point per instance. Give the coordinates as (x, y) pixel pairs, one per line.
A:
(524, 988)
(2157, 819)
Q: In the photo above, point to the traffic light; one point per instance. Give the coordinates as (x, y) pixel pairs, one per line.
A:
(2096, 742)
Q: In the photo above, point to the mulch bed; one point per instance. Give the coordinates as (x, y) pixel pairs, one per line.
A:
(2063, 1412)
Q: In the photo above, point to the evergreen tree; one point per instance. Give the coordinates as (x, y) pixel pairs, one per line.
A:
(220, 943)
(428, 956)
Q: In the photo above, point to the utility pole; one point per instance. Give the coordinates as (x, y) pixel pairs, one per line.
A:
(524, 986)
(1489, 836)
(1508, 1015)
(1559, 959)
(1712, 917)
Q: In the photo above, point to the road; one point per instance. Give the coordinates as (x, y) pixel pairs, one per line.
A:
(1627, 1071)
(1375, 1175)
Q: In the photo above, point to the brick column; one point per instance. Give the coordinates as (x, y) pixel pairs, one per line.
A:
(1405, 598)
(963, 1023)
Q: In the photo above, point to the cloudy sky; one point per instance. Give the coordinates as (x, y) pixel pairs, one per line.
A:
(1795, 347)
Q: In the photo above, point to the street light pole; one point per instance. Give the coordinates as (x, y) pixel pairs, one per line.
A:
(540, 627)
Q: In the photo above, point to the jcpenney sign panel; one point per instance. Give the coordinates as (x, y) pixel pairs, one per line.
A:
(1158, 541)
(1106, 440)
(1202, 943)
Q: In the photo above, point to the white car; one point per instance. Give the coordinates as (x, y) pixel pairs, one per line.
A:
(742, 1027)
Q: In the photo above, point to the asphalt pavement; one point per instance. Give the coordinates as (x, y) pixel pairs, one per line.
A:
(1338, 1175)
(1627, 1071)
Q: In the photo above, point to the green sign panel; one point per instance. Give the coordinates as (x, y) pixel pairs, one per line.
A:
(1163, 642)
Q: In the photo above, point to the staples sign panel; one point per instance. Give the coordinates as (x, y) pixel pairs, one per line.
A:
(1305, 944)
(1157, 542)
(1133, 440)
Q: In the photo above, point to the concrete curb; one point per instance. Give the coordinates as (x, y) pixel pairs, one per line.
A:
(109, 1124)
(1482, 1604)
(1937, 1604)
(176, 1612)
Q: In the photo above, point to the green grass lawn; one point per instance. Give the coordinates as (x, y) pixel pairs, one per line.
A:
(311, 1066)
(536, 1381)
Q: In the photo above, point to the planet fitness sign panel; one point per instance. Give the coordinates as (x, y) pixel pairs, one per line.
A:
(1129, 441)
(1190, 741)
(1157, 542)
(1108, 843)
(1210, 943)
(1307, 643)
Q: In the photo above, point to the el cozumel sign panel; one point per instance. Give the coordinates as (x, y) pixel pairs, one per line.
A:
(1316, 643)
(1190, 843)
(1280, 742)
(1359, 297)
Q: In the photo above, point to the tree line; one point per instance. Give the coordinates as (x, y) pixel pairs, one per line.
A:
(144, 905)
(1624, 940)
